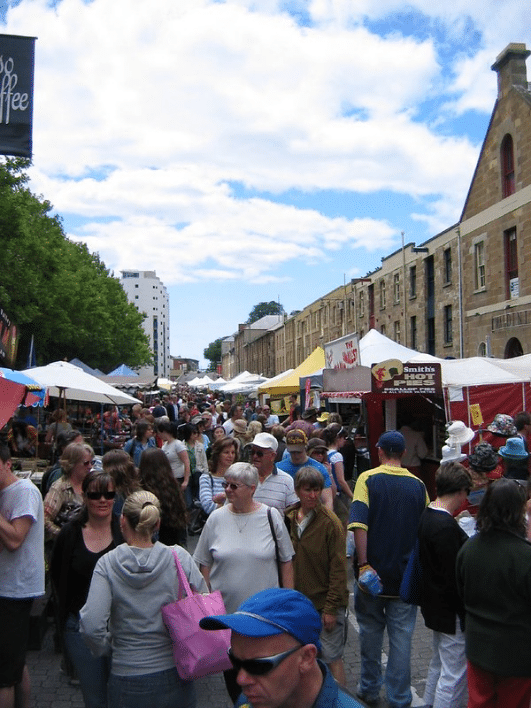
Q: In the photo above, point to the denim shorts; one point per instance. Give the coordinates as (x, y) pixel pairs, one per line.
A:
(162, 689)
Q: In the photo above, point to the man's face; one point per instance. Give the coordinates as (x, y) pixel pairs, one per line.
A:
(266, 410)
(238, 412)
(276, 688)
(298, 457)
(262, 459)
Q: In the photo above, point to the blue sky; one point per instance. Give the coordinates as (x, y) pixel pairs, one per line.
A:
(254, 150)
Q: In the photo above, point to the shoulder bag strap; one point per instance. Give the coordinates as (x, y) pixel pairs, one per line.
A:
(277, 554)
(183, 580)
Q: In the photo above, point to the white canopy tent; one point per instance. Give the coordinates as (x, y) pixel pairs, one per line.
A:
(63, 379)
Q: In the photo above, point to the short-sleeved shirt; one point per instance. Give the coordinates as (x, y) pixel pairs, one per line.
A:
(388, 502)
(239, 549)
(276, 490)
(171, 450)
(22, 571)
(287, 465)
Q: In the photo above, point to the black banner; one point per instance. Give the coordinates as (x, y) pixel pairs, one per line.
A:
(17, 56)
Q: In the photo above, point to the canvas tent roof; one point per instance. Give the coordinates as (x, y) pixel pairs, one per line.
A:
(62, 377)
(122, 370)
(289, 383)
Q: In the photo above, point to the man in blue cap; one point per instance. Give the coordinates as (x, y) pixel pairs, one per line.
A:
(384, 515)
(274, 647)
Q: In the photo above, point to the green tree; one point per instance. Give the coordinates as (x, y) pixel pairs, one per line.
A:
(57, 290)
(213, 353)
(263, 309)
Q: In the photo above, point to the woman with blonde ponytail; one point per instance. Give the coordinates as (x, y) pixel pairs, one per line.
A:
(122, 615)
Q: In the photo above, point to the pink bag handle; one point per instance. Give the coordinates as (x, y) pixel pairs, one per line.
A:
(183, 580)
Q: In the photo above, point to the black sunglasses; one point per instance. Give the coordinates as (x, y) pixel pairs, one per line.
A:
(258, 453)
(262, 666)
(98, 495)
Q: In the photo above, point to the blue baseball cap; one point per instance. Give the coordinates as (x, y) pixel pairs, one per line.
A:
(270, 612)
(392, 441)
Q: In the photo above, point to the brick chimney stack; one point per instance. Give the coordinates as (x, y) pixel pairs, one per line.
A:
(510, 67)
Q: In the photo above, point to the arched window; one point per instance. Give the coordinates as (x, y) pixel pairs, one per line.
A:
(513, 348)
(507, 166)
(482, 349)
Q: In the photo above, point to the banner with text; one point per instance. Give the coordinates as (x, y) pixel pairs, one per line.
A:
(17, 59)
(393, 376)
(343, 353)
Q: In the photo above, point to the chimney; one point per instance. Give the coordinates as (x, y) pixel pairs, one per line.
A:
(510, 67)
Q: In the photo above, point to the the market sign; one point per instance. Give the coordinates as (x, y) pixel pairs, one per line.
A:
(393, 376)
(343, 353)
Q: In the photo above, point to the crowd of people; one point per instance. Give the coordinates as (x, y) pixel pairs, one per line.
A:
(272, 503)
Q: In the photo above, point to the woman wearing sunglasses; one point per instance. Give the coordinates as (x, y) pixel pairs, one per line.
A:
(236, 551)
(122, 614)
(80, 544)
(65, 498)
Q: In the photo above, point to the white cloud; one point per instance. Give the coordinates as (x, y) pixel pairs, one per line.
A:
(144, 118)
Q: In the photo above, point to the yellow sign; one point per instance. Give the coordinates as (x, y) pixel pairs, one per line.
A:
(475, 412)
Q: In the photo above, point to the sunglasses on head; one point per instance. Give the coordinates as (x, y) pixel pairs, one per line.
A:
(262, 666)
(98, 495)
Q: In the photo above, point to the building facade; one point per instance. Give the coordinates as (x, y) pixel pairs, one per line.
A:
(467, 290)
(149, 295)
(495, 225)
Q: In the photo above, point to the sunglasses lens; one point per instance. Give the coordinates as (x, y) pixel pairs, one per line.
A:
(98, 495)
(251, 666)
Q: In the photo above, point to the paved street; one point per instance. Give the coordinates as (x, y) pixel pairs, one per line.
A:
(52, 690)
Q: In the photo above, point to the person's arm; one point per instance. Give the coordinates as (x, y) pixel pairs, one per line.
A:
(286, 575)
(205, 572)
(339, 469)
(327, 498)
(183, 456)
(337, 575)
(360, 541)
(206, 493)
(95, 613)
(53, 501)
(13, 533)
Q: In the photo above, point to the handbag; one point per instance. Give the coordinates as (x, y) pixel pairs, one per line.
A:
(411, 585)
(196, 652)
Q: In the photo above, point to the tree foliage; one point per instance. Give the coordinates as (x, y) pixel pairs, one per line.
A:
(213, 353)
(57, 290)
(263, 309)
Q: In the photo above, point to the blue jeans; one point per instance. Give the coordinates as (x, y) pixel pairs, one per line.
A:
(92, 672)
(374, 614)
(163, 689)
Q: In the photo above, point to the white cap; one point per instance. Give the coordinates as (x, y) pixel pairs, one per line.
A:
(266, 441)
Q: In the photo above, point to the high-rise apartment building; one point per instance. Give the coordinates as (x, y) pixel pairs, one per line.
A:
(150, 296)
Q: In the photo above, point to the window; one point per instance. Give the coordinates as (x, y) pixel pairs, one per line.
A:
(511, 264)
(482, 349)
(413, 281)
(397, 331)
(413, 328)
(396, 287)
(362, 304)
(382, 330)
(479, 265)
(448, 333)
(382, 294)
(447, 265)
(507, 166)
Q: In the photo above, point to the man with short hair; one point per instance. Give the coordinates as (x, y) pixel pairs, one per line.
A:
(272, 418)
(235, 413)
(21, 577)
(384, 515)
(158, 409)
(275, 487)
(274, 646)
(296, 442)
